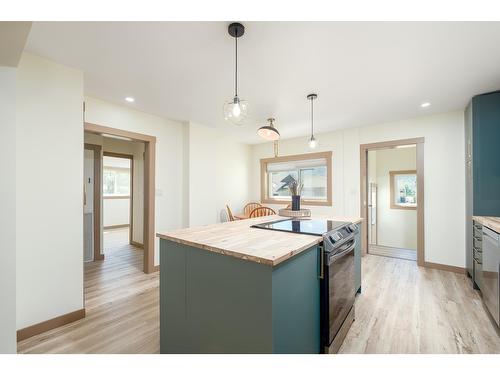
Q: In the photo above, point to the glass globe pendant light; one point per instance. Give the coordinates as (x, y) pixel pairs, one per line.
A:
(313, 143)
(235, 109)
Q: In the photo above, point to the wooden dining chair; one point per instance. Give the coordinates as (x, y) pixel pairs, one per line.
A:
(249, 207)
(230, 214)
(262, 211)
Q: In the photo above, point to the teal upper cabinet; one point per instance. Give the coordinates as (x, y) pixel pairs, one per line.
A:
(486, 154)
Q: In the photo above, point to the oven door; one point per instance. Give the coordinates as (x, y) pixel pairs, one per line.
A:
(340, 273)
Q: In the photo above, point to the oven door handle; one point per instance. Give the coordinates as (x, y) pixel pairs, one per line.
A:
(352, 245)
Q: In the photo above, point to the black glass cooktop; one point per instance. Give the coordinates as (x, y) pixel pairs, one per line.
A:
(315, 227)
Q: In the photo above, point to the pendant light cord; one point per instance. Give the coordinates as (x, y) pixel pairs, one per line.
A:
(312, 117)
(236, 70)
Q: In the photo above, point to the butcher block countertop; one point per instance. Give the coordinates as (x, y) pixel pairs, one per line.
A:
(238, 240)
(489, 221)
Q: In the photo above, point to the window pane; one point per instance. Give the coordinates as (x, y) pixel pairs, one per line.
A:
(279, 181)
(123, 183)
(311, 174)
(109, 178)
(406, 190)
(314, 182)
(116, 181)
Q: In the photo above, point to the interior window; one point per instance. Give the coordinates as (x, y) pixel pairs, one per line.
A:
(403, 189)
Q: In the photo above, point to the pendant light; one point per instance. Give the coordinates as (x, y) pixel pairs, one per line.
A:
(235, 109)
(269, 132)
(312, 141)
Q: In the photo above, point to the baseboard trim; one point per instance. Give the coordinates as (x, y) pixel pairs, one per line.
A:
(156, 268)
(137, 244)
(445, 267)
(118, 226)
(36, 329)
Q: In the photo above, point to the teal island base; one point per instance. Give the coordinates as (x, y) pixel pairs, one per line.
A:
(214, 303)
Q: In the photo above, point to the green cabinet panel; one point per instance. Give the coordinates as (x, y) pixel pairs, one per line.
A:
(212, 303)
(296, 315)
(486, 154)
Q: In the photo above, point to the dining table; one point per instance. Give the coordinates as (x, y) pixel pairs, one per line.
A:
(241, 216)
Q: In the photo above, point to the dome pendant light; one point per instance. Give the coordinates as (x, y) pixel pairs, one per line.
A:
(269, 132)
(235, 110)
(313, 143)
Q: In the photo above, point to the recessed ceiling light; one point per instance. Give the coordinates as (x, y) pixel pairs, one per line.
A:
(129, 99)
(425, 105)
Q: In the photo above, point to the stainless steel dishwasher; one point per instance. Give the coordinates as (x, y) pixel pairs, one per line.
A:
(491, 270)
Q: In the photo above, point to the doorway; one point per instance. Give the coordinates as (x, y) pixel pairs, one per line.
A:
(118, 201)
(148, 144)
(392, 199)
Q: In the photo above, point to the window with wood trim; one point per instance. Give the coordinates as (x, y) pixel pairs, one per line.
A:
(116, 177)
(403, 189)
(312, 171)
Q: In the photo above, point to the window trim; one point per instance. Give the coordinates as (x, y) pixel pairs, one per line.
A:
(264, 196)
(392, 175)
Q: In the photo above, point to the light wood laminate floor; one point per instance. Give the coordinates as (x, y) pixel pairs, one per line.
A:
(122, 307)
(403, 309)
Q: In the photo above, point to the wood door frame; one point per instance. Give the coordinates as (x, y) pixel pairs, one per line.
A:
(131, 195)
(149, 185)
(96, 217)
(363, 149)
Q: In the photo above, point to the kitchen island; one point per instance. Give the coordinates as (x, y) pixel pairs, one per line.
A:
(230, 288)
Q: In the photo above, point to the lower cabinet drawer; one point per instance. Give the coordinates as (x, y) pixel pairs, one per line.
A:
(477, 242)
(478, 231)
(478, 271)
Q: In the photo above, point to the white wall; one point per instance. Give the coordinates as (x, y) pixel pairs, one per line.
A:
(8, 210)
(49, 176)
(444, 160)
(395, 227)
(219, 174)
(116, 212)
(169, 210)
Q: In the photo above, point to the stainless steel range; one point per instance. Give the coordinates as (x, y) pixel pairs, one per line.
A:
(337, 284)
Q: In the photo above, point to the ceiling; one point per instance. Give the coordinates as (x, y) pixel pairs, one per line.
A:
(363, 72)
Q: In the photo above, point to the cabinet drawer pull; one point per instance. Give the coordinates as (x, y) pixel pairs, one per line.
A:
(478, 239)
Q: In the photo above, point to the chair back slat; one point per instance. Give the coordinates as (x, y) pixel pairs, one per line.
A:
(229, 213)
(249, 207)
(262, 211)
